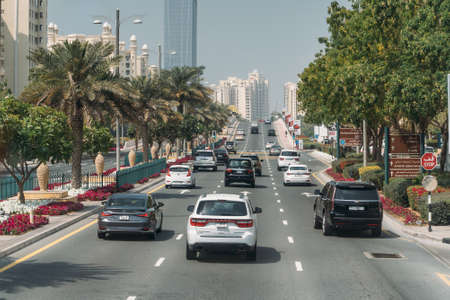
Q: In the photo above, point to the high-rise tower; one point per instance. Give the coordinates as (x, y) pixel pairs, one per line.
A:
(180, 33)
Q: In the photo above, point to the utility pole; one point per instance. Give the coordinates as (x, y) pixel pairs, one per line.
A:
(365, 143)
(117, 74)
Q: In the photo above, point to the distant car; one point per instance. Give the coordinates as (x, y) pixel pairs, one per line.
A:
(286, 158)
(271, 132)
(222, 221)
(130, 213)
(221, 155)
(297, 174)
(240, 170)
(240, 137)
(348, 205)
(269, 144)
(205, 159)
(275, 150)
(429, 149)
(230, 146)
(256, 162)
(240, 132)
(267, 122)
(180, 175)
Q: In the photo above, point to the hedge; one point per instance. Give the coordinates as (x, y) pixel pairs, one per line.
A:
(374, 176)
(396, 190)
(369, 168)
(339, 165)
(352, 171)
(440, 208)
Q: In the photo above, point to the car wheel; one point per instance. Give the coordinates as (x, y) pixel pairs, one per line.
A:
(252, 184)
(160, 225)
(326, 228)
(279, 169)
(152, 235)
(284, 183)
(376, 232)
(316, 220)
(226, 183)
(193, 186)
(215, 169)
(101, 235)
(190, 254)
(195, 169)
(251, 254)
(167, 186)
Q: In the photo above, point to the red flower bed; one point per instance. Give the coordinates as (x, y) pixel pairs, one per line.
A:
(408, 215)
(143, 180)
(58, 208)
(101, 193)
(155, 175)
(337, 176)
(20, 223)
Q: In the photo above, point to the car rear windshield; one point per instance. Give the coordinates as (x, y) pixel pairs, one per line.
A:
(230, 143)
(356, 193)
(298, 168)
(126, 202)
(178, 169)
(289, 153)
(222, 208)
(204, 153)
(254, 157)
(276, 147)
(220, 151)
(239, 164)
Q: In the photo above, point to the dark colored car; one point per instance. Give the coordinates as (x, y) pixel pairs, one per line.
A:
(240, 170)
(130, 213)
(256, 162)
(271, 132)
(348, 205)
(221, 155)
(275, 150)
(231, 147)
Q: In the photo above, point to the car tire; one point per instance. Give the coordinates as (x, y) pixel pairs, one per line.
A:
(167, 186)
(251, 254)
(101, 235)
(252, 184)
(193, 186)
(284, 183)
(316, 219)
(195, 169)
(376, 232)
(215, 169)
(226, 183)
(152, 236)
(190, 254)
(279, 169)
(160, 225)
(326, 228)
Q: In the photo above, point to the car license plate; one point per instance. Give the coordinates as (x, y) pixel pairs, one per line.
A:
(124, 218)
(239, 172)
(356, 208)
(222, 228)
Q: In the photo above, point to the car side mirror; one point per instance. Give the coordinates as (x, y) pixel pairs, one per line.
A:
(262, 160)
(160, 204)
(190, 208)
(257, 210)
(104, 202)
(317, 192)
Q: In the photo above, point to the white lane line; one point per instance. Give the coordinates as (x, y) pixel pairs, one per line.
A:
(290, 240)
(184, 192)
(160, 261)
(281, 210)
(274, 188)
(221, 181)
(285, 222)
(131, 298)
(218, 186)
(278, 201)
(214, 192)
(298, 266)
(273, 182)
(179, 236)
(276, 194)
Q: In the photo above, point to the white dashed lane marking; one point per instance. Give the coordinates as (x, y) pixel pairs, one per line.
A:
(160, 261)
(131, 298)
(290, 240)
(278, 201)
(281, 210)
(285, 222)
(179, 236)
(273, 182)
(276, 194)
(274, 188)
(298, 266)
(218, 186)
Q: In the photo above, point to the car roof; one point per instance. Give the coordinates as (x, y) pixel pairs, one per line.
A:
(350, 184)
(298, 165)
(233, 197)
(182, 166)
(129, 196)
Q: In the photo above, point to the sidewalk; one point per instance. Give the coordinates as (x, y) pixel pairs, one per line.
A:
(12, 243)
(438, 233)
(285, 141)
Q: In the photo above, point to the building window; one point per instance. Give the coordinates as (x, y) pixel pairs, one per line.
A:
(41, 14)
(36, 41)
(127, 65)
(127, 72)
(36, 28)
(36, 15)
(40, 27)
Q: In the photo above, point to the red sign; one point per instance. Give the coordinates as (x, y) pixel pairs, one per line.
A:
(428, 161)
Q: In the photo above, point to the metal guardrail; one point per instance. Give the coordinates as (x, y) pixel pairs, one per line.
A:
(132, 175)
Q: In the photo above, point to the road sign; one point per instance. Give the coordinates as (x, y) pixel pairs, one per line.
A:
(404, 143)
(404, 167)
(342, 142)
(428, 161)
(352, 136)
(429, 183)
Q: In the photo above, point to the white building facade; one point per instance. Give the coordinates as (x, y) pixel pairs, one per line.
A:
(290, 99)
(23, 29)
(131, 64)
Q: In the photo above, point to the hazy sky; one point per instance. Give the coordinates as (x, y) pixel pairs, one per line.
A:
(279, 38)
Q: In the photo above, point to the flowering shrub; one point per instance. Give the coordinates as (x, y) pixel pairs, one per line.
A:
(415, 192)
(337, 176)
(364, 170)
(20, 223)
(155, 175)
(409, 216)
(15, 207)
(102, 193)
(58, 208)
(143, 180)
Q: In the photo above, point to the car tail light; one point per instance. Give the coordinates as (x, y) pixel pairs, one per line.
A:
(296, 159)
(198, 222)
(306, 173)
(250, 171)
(189, 173)
(168, 172)
(289, 173)
(143, 215)
(106, 214)
(228, 170)
(281, 158)
(244, 223)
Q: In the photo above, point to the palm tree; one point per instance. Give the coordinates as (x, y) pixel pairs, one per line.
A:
(75, 78)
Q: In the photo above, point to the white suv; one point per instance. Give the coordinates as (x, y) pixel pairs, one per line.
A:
(222, 221)
(288, 157)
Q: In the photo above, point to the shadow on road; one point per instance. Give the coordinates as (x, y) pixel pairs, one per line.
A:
(163, 196)
(244, 185)
(163, 236)
(265, 255)
(366, 234)
(33, 274)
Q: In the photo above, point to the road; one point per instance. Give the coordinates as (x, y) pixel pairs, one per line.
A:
(294, 261)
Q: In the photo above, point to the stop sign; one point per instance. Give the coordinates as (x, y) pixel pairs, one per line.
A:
(428, 161)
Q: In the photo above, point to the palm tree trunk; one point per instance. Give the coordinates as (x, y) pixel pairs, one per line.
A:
(145, 141)
(77, 150)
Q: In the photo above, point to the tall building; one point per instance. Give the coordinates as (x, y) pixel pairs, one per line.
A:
(290, 99)
(24, 28)
(131, 64)
(250, 96)
(180, 33)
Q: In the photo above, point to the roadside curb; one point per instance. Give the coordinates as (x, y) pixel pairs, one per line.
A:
(33, 239)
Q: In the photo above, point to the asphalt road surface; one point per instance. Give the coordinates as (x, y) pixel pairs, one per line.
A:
(294, 261)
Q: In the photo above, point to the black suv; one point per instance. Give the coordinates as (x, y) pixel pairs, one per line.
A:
(256, 162)
(221, 155)
(230, 145)
(271, 132)
(348, 205)
(240, 170)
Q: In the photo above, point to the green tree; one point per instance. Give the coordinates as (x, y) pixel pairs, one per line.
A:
(96, 139)
(31, 133)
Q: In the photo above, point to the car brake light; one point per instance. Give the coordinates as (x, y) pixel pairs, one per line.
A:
(289, 173)
(281, 158)
(296, 159)
(228, 170)
(168, 172)
(250, 171)
(105, 214)
(143, 215)
(198, 222)
(189, 173)
(244, 223)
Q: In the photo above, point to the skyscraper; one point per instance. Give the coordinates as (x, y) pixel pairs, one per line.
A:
(180, 33)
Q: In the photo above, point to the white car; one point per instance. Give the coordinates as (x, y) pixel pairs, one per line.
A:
(287, 158)
(297, 174)
(180, 175)
(222, 221)
(269, 145)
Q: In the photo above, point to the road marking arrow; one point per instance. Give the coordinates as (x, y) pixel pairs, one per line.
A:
(184, 192)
